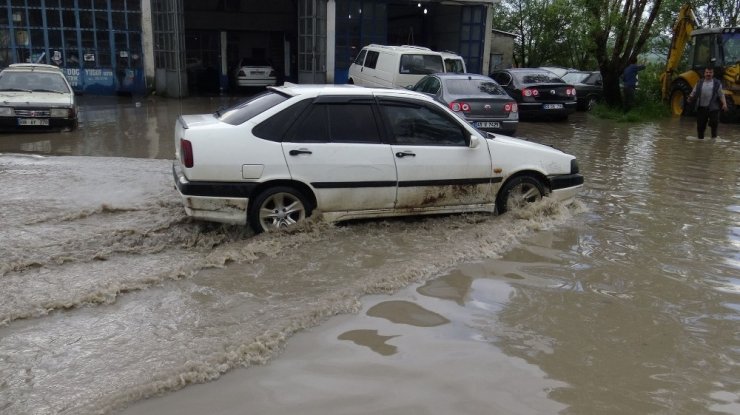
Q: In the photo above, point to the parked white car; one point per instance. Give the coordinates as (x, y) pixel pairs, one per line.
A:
(352, 152)
(36, 97)
(255, 73)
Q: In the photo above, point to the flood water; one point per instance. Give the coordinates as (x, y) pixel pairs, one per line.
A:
(624, 302)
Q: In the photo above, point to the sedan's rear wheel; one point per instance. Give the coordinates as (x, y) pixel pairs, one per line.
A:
(278, 207)
(519, 192)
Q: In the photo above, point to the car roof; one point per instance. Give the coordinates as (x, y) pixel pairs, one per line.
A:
(404, 49)
(292, 89)
(24, 67)
(453, 75)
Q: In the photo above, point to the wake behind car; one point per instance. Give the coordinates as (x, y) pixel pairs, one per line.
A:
(478, 99)
(539, 92)
(36, 97)
(352, 152)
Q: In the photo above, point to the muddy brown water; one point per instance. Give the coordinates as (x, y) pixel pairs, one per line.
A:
(625, 302)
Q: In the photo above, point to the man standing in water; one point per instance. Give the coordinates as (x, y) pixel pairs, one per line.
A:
(709, 99)
(629, 79)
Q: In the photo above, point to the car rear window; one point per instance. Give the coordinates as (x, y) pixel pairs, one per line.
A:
(245, 110)
(544, 77)
(473, 87)
(418, 64)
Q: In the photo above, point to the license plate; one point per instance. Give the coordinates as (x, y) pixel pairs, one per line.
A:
(256, 73)
(552, 106)
(490, 124)
(33, 121)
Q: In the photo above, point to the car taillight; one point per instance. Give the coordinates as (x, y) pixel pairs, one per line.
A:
(459, 106)
(570, 91)
(186, 153)
(530, 92)
(511, 107)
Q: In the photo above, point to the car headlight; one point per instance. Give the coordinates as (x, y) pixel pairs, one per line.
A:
(60, 112)
(7, 112)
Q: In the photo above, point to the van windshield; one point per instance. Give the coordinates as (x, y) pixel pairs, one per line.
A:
(412, 64)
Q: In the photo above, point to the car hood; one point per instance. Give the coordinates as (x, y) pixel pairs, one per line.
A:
(35, 99)
(518, 142)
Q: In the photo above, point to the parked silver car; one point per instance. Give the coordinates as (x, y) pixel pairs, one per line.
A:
(477, 99)
(36, 97)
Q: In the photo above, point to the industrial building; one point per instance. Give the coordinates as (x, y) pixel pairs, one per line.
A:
(183, 47)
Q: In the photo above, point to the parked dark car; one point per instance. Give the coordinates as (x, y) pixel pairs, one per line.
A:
(589, 87)
(539, 92)
(477, 99)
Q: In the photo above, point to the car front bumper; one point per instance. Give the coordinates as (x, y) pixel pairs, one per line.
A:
(565, 188)
(54, 124)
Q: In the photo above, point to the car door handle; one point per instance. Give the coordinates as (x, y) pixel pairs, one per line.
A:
(301, 151)
(402, 154)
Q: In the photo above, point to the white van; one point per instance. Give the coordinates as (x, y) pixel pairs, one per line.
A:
(403, 66)
(454, 63)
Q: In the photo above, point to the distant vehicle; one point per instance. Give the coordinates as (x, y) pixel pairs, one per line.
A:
(477, 99)
(255, 73)
(717, 47)
(539, 92)
(454, 63)
(558, 70)
(589, 87)
(350, 153)
(36, 97)
(381, 66)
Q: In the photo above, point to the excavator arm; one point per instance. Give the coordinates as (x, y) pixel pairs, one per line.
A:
(686, 22)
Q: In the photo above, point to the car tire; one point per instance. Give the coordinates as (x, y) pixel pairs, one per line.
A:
(518, 192)
(590, 103)
(278, 207)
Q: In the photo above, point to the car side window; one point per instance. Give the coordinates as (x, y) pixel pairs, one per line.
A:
(372, 59)
(275, 127)
(336, 123)
(352, 123)
(361, 57)
(415, 124)
(502, 78)
(312, 128)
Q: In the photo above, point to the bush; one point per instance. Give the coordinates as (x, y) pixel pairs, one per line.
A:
(648, 102)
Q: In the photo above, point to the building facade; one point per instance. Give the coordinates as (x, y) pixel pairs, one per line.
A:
(183, 47)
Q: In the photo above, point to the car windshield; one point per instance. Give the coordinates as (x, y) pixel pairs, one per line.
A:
(33, 81)
(245, 110)
(412, 64)
(474, 87)
(539, 77)
(575, 77)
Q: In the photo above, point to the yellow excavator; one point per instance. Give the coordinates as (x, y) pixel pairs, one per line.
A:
(717, 47)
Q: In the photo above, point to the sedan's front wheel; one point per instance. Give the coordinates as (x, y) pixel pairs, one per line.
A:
(519, 192)
(278, 207)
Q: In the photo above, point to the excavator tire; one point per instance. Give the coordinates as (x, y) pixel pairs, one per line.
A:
(680, 92)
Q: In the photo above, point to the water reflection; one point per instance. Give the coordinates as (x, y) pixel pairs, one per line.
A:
(140, 127)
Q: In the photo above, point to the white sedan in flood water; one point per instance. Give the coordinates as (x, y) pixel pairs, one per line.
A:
(352, 152)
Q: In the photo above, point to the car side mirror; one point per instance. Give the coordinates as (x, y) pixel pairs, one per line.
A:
(474, 141)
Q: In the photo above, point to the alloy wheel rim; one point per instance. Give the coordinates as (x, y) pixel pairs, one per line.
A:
(281, 210)
(523, 194)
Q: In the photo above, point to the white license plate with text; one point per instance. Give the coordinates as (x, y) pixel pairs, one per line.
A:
(488, 124)
(552, 106)
(33, 121)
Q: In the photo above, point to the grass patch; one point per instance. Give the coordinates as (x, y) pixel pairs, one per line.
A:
(645, 110)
